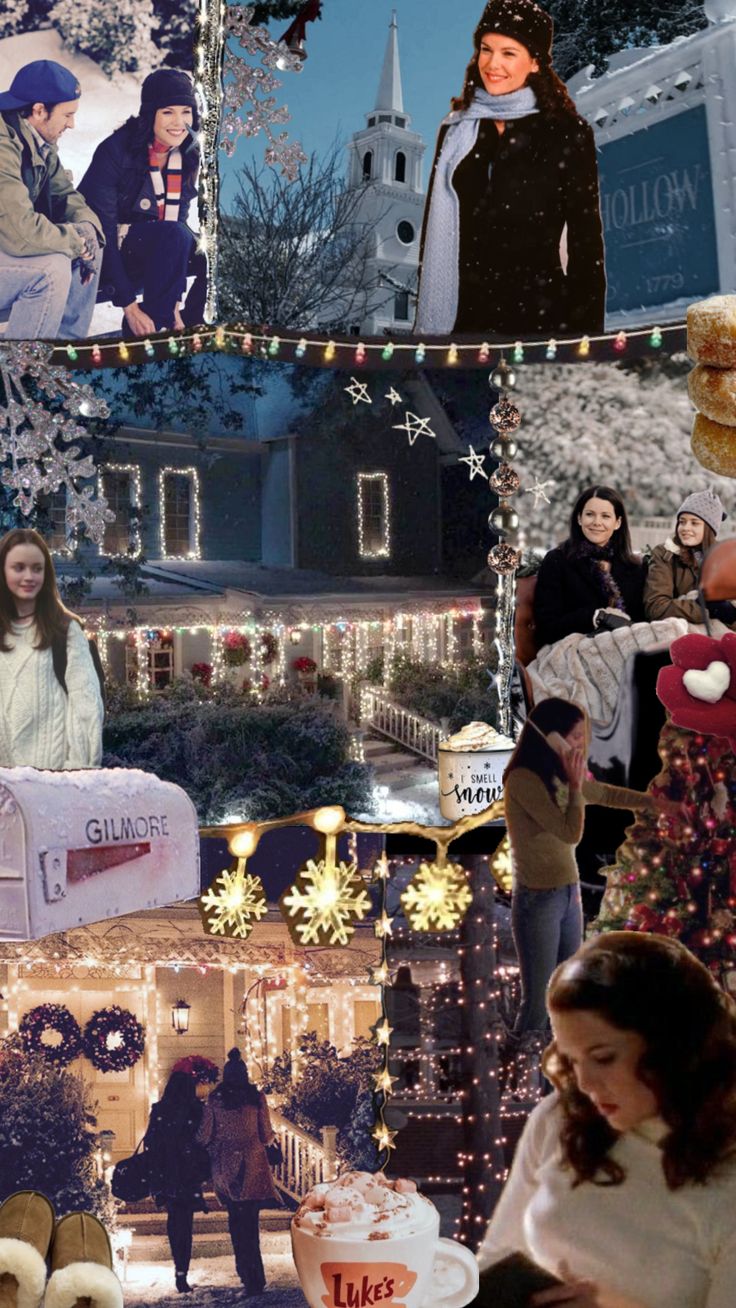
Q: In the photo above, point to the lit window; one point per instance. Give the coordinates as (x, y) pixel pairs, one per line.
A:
(120, 484)
(374, 533)
(179, 513)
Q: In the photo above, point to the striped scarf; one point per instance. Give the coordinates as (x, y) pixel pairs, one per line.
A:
(165, 169)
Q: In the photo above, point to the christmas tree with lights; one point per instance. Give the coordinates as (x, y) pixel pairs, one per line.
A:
(678, 878)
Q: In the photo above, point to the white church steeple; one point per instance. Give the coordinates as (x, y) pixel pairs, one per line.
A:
(389, 95)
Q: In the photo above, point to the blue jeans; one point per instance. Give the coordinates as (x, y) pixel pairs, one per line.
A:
(46, 297)
(547, 927)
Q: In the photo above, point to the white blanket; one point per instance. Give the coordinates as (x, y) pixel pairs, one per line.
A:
(588, 670)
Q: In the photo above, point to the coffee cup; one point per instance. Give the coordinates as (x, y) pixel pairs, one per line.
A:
(384, 1252)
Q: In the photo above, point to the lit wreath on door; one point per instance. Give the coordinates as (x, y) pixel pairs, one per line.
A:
(51, 1017)
(113, 1039)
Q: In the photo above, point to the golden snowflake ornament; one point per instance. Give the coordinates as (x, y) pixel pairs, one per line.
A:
(325, 902)
(436, 898)
(233, 903)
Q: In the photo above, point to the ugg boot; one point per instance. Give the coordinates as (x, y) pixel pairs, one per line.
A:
(81, 1266)
(26, 1226)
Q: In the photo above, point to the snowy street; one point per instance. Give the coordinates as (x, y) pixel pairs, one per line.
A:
(214, 1282)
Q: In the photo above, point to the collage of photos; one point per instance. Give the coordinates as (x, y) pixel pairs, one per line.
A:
(367, 654)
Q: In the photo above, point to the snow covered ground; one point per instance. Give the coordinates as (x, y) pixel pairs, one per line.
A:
(104, 105)
(214, 1282)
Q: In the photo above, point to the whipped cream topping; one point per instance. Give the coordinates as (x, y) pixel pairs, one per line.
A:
(364, 1206)
(476, 736)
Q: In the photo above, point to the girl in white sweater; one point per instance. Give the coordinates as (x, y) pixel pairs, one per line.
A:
(624, 1181)
(42, 723)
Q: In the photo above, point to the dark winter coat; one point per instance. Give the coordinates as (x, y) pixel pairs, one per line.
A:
(39, 206)
(178, 1164)
(119, 188)
(567, 595)
(543, 176)
(236, 1139)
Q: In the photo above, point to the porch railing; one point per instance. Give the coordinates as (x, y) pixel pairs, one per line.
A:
(306, 1161)
(381, 714)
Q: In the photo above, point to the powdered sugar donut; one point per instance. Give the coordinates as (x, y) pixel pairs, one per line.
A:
(714, 446)
(713, 392)
(711, 331)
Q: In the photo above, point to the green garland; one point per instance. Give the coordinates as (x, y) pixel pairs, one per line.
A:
(51, 1017)
(103, 1050)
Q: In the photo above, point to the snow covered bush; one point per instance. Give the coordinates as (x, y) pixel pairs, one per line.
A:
(117, 34)
(13, 17)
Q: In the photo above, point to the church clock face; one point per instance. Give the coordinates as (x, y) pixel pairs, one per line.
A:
(405, 232)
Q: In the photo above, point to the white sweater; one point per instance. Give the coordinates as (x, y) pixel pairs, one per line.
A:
(659, 1248)
(41, 726)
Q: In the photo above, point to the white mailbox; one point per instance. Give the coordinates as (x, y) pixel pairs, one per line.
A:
(79, 847)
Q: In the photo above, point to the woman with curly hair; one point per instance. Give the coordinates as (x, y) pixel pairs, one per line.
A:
(515, 168)
(141, 184)
(624, 1180)
(51, 707)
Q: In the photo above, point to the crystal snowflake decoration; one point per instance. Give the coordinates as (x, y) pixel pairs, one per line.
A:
(37, 427)
(234, 908)
(249, 107)
(325, 901)
(436, 898)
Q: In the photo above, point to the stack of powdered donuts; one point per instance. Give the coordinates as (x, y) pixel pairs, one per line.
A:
(711, 344)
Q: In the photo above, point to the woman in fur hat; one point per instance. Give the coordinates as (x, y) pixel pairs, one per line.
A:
(141, 184)
(672, 581)
(515, 167)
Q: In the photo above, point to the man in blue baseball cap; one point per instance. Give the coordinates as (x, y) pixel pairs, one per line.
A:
(49, 238)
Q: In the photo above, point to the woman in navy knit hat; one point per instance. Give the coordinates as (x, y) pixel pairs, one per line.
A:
(141, 183)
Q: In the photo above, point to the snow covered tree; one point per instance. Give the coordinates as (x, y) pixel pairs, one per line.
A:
(589, 31)
(677, 880)
(117, 34)
(47, 1138)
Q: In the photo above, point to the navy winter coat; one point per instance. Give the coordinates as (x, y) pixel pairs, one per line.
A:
(567, 595)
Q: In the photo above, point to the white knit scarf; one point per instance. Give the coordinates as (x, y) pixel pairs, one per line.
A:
(439, 285)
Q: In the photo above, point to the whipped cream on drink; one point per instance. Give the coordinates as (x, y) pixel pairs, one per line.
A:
(364, 1206)
(476, 735)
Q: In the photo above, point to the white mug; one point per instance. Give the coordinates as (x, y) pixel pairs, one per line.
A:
(403, 1271)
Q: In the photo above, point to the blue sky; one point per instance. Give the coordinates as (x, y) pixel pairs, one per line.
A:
(340, 78)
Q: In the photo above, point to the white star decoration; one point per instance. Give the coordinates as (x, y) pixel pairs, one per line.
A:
(358, 392)
(414, 426)
(539, 491)
(475, 462)
(393, 396)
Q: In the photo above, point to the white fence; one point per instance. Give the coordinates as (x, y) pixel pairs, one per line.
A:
(381, 714)
(306, 1161)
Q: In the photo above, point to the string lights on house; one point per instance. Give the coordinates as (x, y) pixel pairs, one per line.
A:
(135, 500)
(368, 546)
(195, 518)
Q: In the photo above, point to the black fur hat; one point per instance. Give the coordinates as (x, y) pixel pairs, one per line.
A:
(522, 20)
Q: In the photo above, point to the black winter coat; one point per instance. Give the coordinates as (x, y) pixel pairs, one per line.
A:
(118, 186)
(543, 176)
(567, 595)
(178, 1164)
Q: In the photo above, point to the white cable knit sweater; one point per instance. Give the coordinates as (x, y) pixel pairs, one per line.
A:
(659, 1248)
(41, 726)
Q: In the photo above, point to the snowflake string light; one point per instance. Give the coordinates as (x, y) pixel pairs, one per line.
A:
(539, 491)
(436, 898)
(358, 392)
(233, 909)
(325, 902)
(414, 426)
(475, 463)
(249, 89)
(36, 442)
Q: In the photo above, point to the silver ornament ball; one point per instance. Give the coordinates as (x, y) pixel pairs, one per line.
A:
(503, 518)
(504, 449)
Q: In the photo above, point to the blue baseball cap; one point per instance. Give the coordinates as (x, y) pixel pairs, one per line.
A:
(42, 82)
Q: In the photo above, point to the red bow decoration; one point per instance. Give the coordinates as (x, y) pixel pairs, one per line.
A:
(688, 711)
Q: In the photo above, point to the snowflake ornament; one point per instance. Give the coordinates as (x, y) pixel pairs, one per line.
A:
(436, 898)
(249, 107)
(36, 441)
(233, 909)
(539, 491)
(325, 902)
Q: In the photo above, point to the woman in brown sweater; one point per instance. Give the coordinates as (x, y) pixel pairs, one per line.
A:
(545, 793)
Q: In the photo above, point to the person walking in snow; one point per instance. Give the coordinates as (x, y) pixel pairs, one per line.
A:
(50, 692)
(142, 181)
(236, 1128)
(515, 168)
(50, 237)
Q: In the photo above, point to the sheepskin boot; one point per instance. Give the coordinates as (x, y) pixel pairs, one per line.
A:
(26, 1226)
(81, 1266)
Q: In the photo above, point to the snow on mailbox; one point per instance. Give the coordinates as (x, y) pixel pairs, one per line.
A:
(79, 847)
